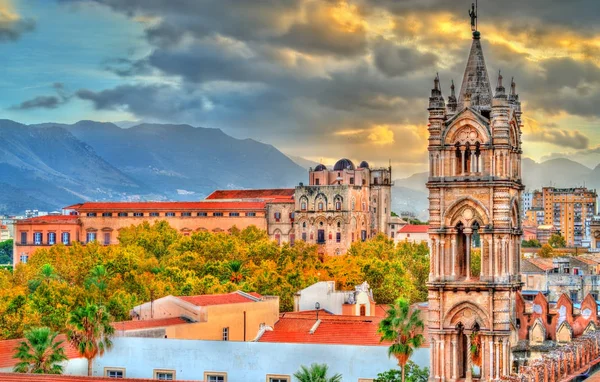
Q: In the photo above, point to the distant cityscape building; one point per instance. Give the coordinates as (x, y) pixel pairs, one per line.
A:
(595, 234)
(358, 302)
(337, 208)
(413, 233)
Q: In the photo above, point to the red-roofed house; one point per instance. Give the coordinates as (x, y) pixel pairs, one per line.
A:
(413, 233)
(236, 316)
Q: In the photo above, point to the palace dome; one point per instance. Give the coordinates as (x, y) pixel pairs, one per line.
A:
(363, 164)
(320, 167)
(343, 164)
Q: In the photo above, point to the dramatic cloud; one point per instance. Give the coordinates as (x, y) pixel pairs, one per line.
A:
(341, 77)
(45, 102)
(12, 26)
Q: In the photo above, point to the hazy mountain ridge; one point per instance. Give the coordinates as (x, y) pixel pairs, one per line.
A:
(58, 164)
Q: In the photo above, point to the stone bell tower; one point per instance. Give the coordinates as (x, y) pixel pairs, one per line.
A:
(474, 200)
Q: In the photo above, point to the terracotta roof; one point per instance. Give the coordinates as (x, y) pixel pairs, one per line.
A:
(220, 299)
(7, 351)
(162, 206)
(411, 228)
(276, 193)
(588, 260)
(543, 264)
(50, 219)
(14, 377)
(338, 330)
(148, 324)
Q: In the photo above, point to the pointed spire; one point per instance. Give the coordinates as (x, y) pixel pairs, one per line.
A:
(500, 90)
(476, 81)
(436, 101)
(513, 87)
(452, 104)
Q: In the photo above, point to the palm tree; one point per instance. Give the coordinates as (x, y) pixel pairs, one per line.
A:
(316, 373)
(90, 331)
(236, 271)
(98, 278)
(40, 353)
(402, 327)
(45, 275)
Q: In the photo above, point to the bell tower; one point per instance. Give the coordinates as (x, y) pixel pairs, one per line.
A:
(475, 231)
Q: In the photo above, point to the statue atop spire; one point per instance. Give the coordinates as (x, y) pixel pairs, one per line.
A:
(473, 14)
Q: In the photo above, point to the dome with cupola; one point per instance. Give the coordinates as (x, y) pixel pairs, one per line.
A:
(320, 167)
(363, 164)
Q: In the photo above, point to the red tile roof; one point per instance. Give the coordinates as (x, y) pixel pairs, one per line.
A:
(276, 193)
(411, 228)
(50, 219)
(543, 264)
(220, 299)
(7, 351)
(340, 330)
(148, 324)
(171, 206)
(13, 377)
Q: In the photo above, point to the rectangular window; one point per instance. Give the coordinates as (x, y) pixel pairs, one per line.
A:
(106, 238)
(217, 214)
(24, 259)
(106, 214)
(164, 375)
(278, 238)
(154, 214)
(186, 214)
(277, 216)
(65, 238)
(202, 214)
(363, 235)
(170, 214)
(234, 214)
(278, 378)
(211, 376)
(138, 214)
(122, 214)
(110, 372)
(303, 236)
(23, 238)
(226, 334)
(351, 180)
(292, 217)
(51, 238)
(338, 237)
(292, 239)
(91, 236)
(317, 182)
(37, 238)
(91, 214)
(251, 214)
(321, 236)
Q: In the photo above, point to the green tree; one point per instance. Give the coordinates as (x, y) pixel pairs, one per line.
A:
(6, 252)
(44, 276)
(557, 241)
(40, 353)
(546, 252)
(98, 281)
(533, 243)
(403, 328)
(315, 373)
(413, 374)
(90, 332)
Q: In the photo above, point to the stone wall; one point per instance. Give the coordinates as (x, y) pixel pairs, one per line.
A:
(561, 364)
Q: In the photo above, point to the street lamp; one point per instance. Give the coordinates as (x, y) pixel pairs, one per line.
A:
(317, 307)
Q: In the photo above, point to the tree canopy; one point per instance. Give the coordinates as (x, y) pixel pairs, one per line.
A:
(154, 261)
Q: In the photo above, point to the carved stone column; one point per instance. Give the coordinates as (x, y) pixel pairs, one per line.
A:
(468, 232)
(469, 371)
(454, 359)
(442, 253)
(490, 257)
(453, 241)
(491, 371)
(464, 162)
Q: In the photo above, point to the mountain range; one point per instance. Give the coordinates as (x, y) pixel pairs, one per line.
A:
(48, 166)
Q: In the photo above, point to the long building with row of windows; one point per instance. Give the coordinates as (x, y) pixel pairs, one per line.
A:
(338, 207)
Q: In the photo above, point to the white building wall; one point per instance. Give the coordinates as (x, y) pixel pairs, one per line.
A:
(412, 237)
(245, 361)
(325, 294)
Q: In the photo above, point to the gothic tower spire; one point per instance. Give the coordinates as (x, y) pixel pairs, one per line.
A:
(476, 81)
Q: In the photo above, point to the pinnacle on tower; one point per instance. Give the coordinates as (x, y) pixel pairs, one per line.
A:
(436, 101)
(452, 103)
(500, 90)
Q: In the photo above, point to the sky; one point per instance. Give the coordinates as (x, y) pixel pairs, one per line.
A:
(319, 79)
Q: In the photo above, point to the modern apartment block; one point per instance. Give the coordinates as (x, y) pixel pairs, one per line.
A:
(569, 211)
